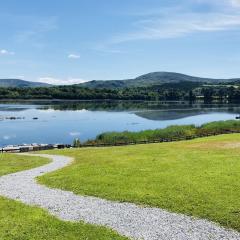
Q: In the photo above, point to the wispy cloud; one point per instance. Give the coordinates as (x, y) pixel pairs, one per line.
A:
(35, 28)
(74, 134)
(59, 81)
(8, 137)
(102, 48)
(181, 21)
(180, 26)
(73, 56)
(235, 3)
(6, 52)
(20, 77)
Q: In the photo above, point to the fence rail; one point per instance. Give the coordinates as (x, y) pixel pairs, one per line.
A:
(159, 140)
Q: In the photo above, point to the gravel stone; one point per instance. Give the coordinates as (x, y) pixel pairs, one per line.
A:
(127, 219)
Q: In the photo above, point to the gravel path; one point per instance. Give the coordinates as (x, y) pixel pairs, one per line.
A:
(127, 219)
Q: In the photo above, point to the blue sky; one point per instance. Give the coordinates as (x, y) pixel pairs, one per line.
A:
(69, 41)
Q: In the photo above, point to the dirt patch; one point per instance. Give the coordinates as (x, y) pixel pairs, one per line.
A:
(231, 145)
(216, 145)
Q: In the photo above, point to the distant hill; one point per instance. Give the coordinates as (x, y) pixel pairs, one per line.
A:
(21, 83)
(163, 79)
(155, 78)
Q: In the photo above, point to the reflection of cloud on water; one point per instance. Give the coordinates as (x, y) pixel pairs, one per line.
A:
(49, 110)
(74, 134)
(8, 137)
(133, 123)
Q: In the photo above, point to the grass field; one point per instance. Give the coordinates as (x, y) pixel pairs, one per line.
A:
(13, 163)
(21, 222)
(199, 177)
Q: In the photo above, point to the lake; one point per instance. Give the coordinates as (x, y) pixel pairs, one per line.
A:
(61, 122)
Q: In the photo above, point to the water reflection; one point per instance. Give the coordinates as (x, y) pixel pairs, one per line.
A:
(61, 122)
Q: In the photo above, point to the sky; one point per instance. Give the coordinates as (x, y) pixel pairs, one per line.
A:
(72, 41)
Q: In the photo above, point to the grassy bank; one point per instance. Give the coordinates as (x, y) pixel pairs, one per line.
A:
(10, 163)
(198, 177)
(21, 222)
(167, 134)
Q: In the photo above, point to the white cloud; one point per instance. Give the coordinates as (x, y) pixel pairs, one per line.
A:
(33, 30)
(74, 134)
(181, 25)
(73, 56)
(58, 81)
(180, 21)
(107, 50)
(8, 137)
(6, 52)
(235, 3)
(20, 77)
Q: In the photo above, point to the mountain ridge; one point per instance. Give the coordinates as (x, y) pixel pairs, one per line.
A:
(145, 80)
(14, 82)
(153, 78)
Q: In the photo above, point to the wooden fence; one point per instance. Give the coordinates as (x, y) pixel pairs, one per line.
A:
(159, 140)
(126, 143)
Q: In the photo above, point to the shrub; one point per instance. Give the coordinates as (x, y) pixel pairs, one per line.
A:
(147, 135)
(168, 133)
(220, 127)
(76, 143)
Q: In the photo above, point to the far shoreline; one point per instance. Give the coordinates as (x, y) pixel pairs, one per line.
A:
(112, 100)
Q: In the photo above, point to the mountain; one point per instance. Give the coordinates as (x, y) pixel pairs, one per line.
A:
(165, 79)
(21, 83)
(154, 78)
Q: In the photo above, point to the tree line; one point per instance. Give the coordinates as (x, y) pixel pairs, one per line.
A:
(166, 92)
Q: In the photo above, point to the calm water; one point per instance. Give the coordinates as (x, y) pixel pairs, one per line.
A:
(61, 122)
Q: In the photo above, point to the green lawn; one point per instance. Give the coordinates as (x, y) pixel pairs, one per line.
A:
(10, 163)
(21, 222)
(199, 177)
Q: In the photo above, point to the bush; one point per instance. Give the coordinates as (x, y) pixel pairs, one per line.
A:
(76, 143)
(220, 127)
(169, 133)
(147, 135)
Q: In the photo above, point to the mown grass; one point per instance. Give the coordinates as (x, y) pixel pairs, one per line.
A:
(198, 178)
(21, 222)
(10, 163)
